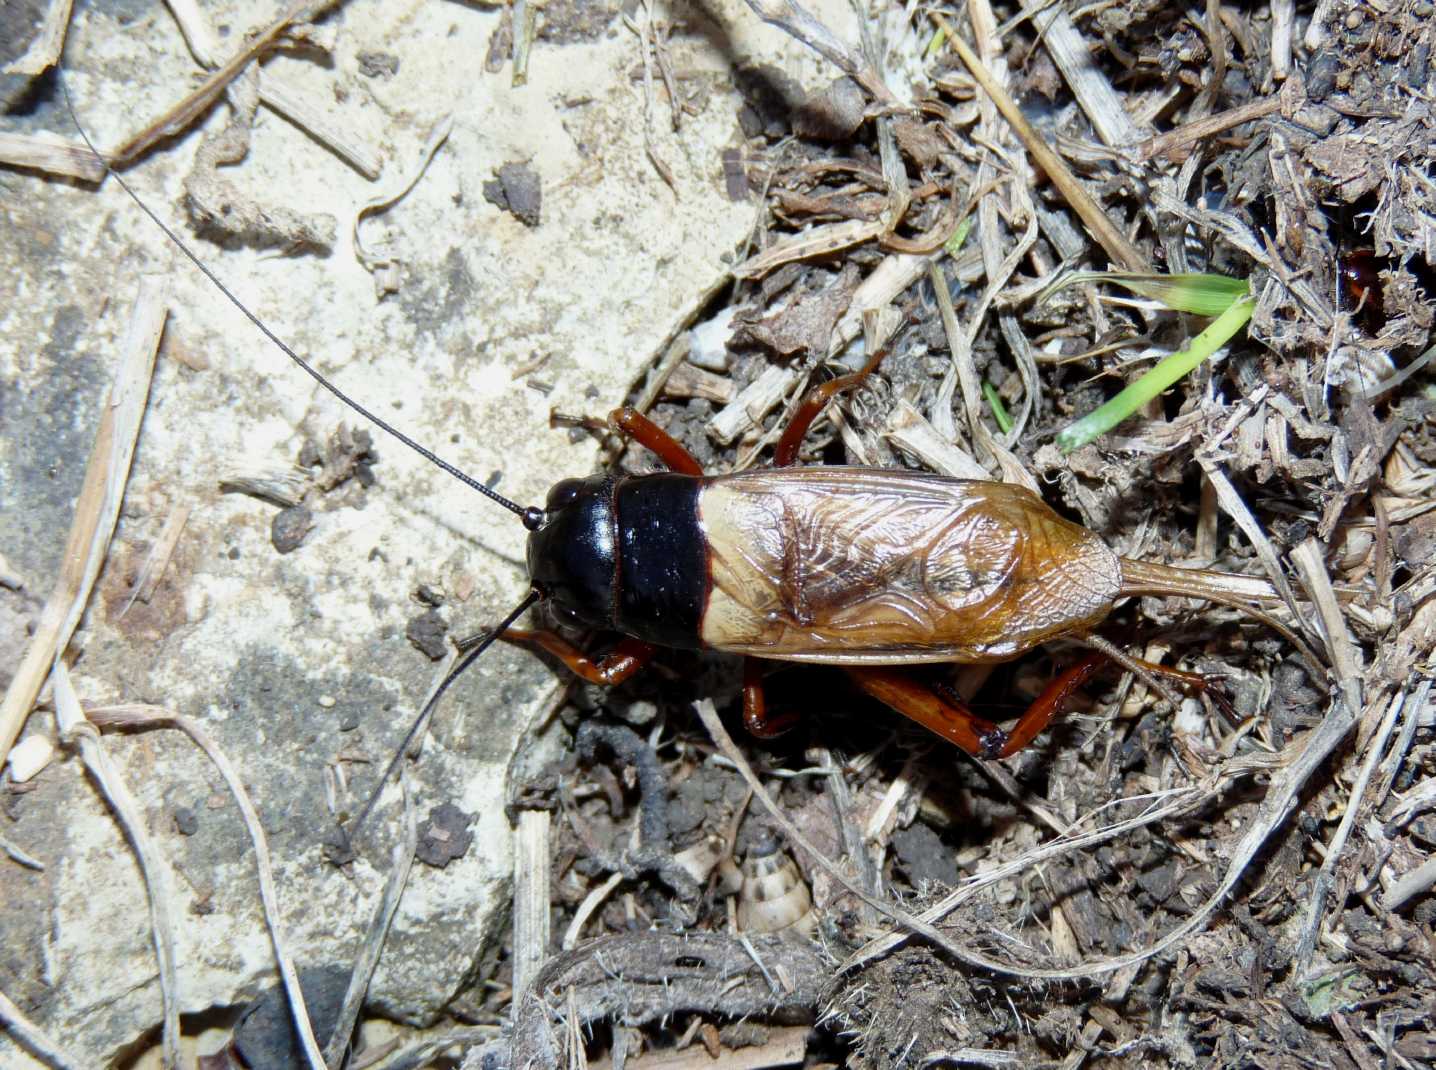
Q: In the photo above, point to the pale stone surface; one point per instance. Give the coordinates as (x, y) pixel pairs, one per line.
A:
(495, 324)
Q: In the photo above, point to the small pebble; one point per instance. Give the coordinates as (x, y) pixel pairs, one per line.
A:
(29, 756)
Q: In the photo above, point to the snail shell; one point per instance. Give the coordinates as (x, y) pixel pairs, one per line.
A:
(774, 896)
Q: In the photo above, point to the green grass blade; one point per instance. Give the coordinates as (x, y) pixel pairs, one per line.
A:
(999, 410)
(1167, 371)
(1199, 294)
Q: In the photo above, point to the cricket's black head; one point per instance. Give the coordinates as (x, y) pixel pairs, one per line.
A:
(572, 554)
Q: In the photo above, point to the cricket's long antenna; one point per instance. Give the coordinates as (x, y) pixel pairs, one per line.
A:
(420, 721)
(532, 516)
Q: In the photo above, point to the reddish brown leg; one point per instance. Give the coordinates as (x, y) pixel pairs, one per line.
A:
(626, 659)
(1194, 681)
(755, 706)
(786, 452)
(629, 421)
(955, 722)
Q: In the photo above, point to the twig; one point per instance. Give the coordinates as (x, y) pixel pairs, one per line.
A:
(95, 512)
(639, 977)
(74, 728)
(1206, 127)
(196, 103)
(142, 717)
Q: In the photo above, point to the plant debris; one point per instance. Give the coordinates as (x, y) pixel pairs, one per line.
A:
(1245, 880)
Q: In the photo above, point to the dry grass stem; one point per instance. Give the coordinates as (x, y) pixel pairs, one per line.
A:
(794, 19)
(50, 155)
(196, 103)
(384, 267)
(879, 289)
(911, 432)
(286, 100)
(964, 373)
(34, 1039)
(198, 32)
(1177, 801)
(139, 717)
(1071, 51)
(158, 559)
(525, 20)
(531, 897)
(822, 240)
(1188, 134)
(277, 95)
(20, 857)
(1336, 848)
(595, 898)
(96, 510)
(746, 411)
(1122, 252)
(400, 863)
(921, 926)
(1309, 559)
(425, 1052)
(1410, 885)
(1231, 502)
(1283, 21)
(75, 729)
(647, 45)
